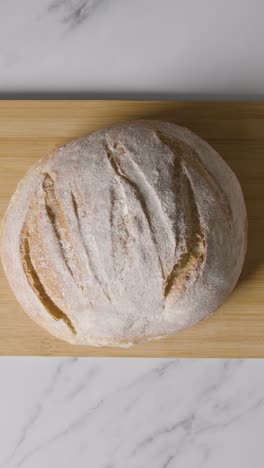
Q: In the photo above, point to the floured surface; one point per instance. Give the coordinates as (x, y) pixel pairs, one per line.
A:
(130, 110)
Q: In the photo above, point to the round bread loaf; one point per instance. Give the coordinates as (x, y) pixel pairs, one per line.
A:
(128, 234)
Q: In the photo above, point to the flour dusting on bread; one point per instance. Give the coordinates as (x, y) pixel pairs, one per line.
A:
(129, 234)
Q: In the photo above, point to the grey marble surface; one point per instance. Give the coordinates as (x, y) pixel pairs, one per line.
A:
(133, 413)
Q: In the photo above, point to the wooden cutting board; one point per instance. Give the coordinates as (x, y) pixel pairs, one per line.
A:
(31, 129)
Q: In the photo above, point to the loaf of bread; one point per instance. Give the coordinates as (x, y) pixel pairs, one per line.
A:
(129, 234)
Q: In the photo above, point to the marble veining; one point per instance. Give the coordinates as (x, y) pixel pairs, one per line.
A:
(74, 12)
(135, 413)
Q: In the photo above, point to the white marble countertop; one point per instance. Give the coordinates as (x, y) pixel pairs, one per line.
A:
(139, 48)
(131, 413)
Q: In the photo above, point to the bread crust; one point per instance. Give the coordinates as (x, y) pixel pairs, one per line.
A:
(129, 234)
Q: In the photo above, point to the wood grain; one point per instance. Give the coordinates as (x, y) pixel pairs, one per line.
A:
(31, 129)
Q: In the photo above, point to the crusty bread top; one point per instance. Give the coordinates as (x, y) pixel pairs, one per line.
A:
(131, 233)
